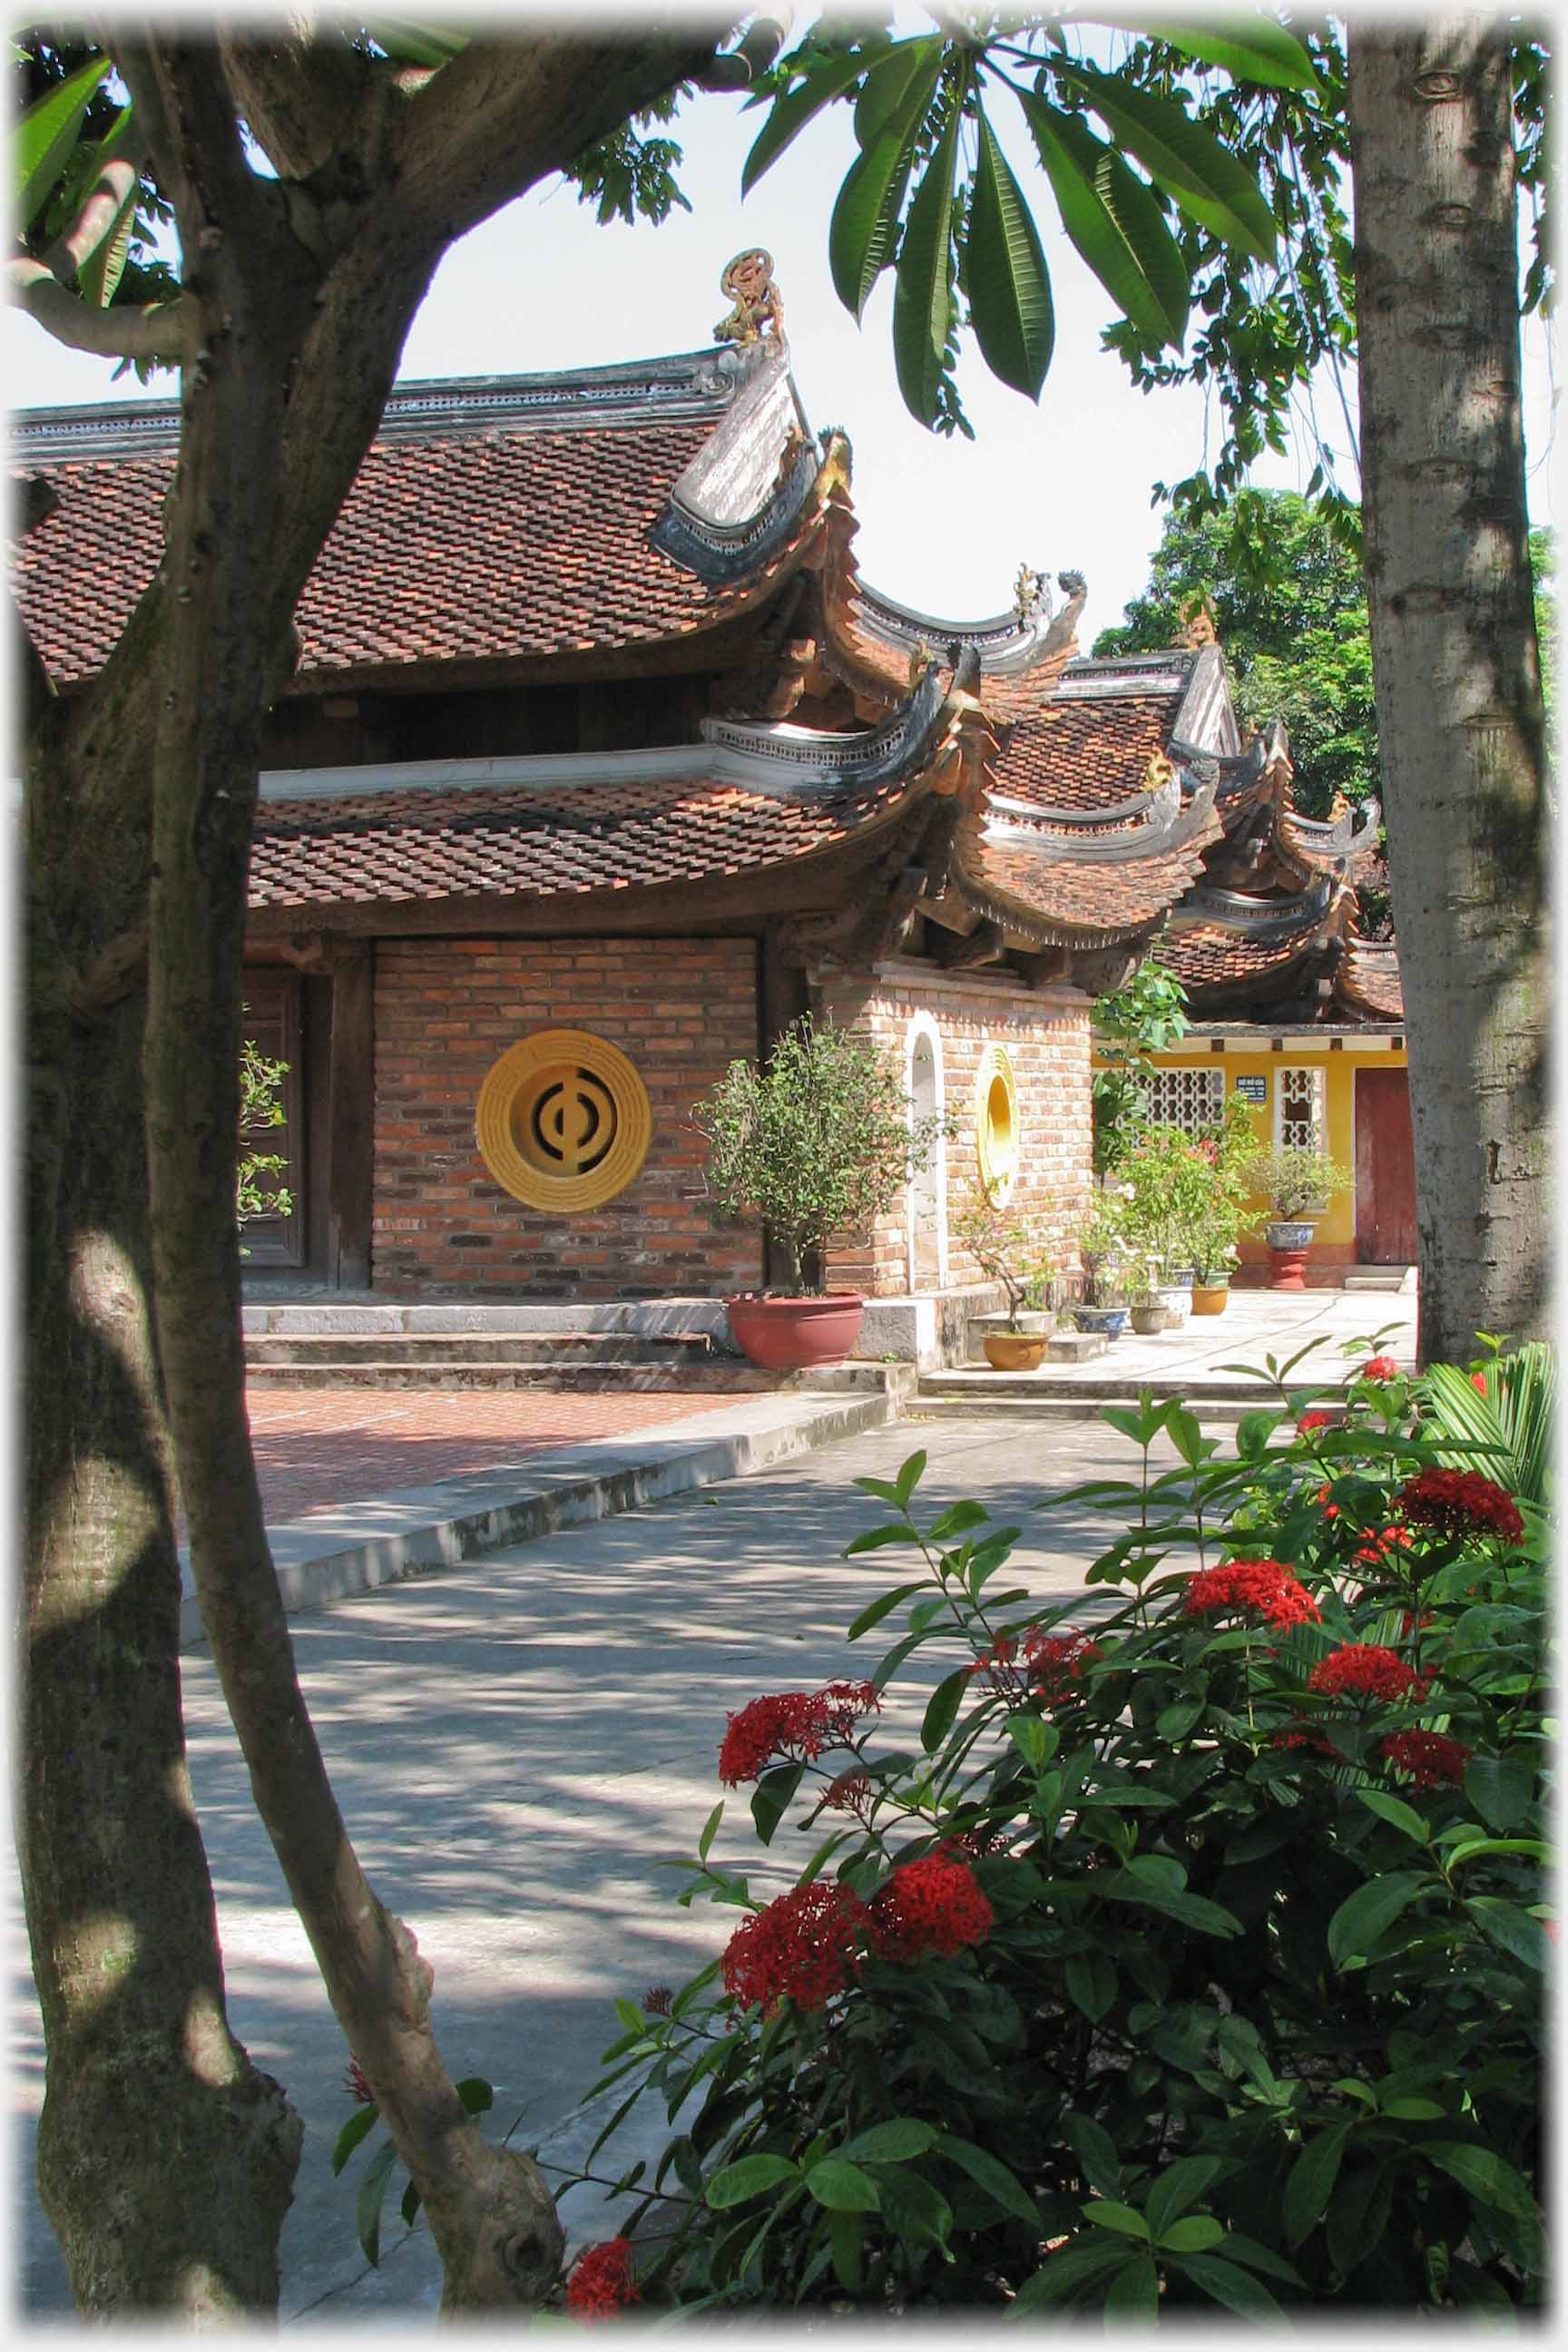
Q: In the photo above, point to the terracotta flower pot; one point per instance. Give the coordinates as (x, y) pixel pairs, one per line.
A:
(1209, 1297)
(1015, 1351)
(786, 1335)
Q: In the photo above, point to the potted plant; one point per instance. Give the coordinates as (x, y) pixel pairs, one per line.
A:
(1146, 1305)
(1002, 1246)
(1106, 1251)
(1211, 1282)
(1299, 1185)
(818, 1145)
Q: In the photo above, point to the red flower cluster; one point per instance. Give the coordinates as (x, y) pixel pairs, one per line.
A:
(1379, 1549)
(1460, 1502)
(1302, 1739)
(1365, 1670)
(1260, 1587)
(1330, 1510)
(995, 1662)
(657, 2001)
(1478, 1383)
(793, 1727)
(1411, 1623)
(356, 2086)
(800, 1949)
(1379, 1368)
(933, 1905)
(1314, 1420)
(850, 1793)
(1431, 1760)
(602, 2282)
(1055, 1661)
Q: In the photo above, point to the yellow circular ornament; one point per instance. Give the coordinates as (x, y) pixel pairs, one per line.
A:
(563, 1120)
(997, 1125)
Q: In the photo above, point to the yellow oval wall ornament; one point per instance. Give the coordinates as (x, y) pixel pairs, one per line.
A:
(563, 1120)
(996, 1124)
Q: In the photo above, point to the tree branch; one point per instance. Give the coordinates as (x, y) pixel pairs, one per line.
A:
(502, 116)
(299, 87)
(147, 331)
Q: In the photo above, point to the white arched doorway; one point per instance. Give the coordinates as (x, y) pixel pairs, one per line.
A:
(926, 1205)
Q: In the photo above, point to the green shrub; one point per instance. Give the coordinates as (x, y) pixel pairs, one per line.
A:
(1192, 1955)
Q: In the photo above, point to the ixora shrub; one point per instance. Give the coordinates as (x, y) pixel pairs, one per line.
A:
(819, 1144)
(1193, 1957)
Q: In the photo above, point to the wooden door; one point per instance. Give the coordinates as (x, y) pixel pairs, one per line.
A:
(1384, 1168)
(272, 1020)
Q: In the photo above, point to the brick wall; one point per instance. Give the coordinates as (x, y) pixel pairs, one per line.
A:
(1046, 1033)
(681, 1010)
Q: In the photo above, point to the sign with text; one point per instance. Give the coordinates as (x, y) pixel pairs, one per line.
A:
(1252, 1090)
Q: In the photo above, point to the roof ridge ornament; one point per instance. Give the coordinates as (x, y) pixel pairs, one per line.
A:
(747, 278)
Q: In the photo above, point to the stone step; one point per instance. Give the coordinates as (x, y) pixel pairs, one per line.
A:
(1059, 1396)
(679, 1349)
(1378, 1277)
(715, 1376)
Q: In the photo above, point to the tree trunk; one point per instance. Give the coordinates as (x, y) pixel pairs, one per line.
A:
(1455, 660)
(165, 2159)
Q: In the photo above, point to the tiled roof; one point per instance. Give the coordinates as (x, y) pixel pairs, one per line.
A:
(1369, 982)
(498, 545)
(403, 846)
(1114, 896)
(1076, 754)
(1210, 956)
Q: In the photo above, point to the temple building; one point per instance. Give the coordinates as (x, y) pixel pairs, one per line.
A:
(601, 763)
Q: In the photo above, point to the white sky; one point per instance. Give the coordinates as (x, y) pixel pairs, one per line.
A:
(944, 524)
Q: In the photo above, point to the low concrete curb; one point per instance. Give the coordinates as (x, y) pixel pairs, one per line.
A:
(420, 1530)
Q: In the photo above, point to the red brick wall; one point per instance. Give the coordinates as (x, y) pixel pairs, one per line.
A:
(446, 1009)
(1047, 1037)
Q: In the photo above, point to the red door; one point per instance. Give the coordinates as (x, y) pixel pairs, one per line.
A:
(1384, 1168)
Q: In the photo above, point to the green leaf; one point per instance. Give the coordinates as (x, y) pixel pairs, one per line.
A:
(360, 2125)
(1175, 1721)
(1501, 1789)
(770, 1801)
(411, 2202)
(915, 2210)
(911, 1473)
(709, 1830)
(1194, 2234)
(842, 2187)
(942, 1708)
(957, 1519)
(99, 274)
(1134, 2292)
(1394, 1810)
(1179, 2185)
(886, 95)
(1312, 2181)
(736, 2183)
(1184, 158)
(1193, 1910)
(1091, 1980)
(1482, 2173)
(1253, 1432)
(1070, 2266)
(477, 2095)
(1509, 1925)
(1096, 2153)
(1116, 224)
(988, 2172)
(878, 1539)
(846, 2235)
(1008, 284)
(46, 134)
(1362, 1918)
(1237, 2289)
(1249, 49)
(893, 2143)
(794, 109)
(1106, 2214)
(922, 298)
(878, 1609)
(367, 2205)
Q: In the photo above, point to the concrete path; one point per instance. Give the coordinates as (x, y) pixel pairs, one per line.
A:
(516, 1742)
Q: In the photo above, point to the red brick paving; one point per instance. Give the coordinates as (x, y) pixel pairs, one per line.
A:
(318, 1447)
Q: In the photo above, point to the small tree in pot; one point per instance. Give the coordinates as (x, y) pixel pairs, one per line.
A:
(818, 1145)
(1006, 1251)
(1299, 1185)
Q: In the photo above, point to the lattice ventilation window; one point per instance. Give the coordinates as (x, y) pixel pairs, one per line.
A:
(563, 1120)
(1299, 1122)
(1189, 1099)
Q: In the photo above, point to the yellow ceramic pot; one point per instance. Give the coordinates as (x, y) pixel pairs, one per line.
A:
(1015, 1351)
(1207, 1300)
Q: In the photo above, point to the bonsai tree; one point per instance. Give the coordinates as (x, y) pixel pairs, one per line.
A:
(1298, 1182)
(1110, 1252)
(819, 1144)
(1005, 1250)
